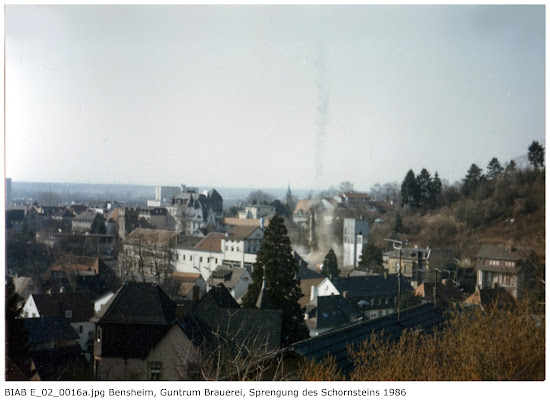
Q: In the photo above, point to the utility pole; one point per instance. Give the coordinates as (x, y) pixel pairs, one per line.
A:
(399, 246)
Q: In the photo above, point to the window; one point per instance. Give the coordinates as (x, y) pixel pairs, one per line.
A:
(183, 257)
(155, 370)
(68, 314)
(90, 335)
(80, 329)
(200, 259)
(191, 258)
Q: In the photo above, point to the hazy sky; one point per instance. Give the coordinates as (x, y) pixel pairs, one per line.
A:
(262, 96)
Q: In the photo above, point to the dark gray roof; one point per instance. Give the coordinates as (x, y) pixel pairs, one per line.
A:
(329, 312)
(88, 216)
(501, 252)
(49, 329)
(249, 328)
(57, 304)
(138, 303)
(335, 342)
(370, 286)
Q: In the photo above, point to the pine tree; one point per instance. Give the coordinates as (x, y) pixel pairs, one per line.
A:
(536, 154)
(398, 226)
(409, 190)
(281, 283)
(330, 265)
(423, 182)
(436, 187)
(371, 258)
(473, 178)
(494, 169)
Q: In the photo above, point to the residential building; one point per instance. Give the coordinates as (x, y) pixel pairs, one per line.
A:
(257, 212)
(336, 343)
(323, 314)
(183, 287)
(487, 298)
(236, 248)
(220, 327)
(75, 307)
(418, 264)
(236, 280)
(84, 221)
(156, 216)
(138, 337)
(503, 266)
(356, 236)
(191, 211)
(52, 346)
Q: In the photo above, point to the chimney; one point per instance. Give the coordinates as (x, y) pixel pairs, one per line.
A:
(196, 294)
(345, 294)
(312, 295)
(385, 274)
(180, 312)
(330, 277)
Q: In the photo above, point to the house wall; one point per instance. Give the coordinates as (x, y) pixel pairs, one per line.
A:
(324, 289)
(175, 351)
(85, 331)
(194, 261)
(356, 235)
(30, 309)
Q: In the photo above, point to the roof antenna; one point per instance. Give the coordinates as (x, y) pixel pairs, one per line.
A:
(399, 246)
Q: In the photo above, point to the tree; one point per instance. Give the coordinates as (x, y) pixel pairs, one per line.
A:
(398, 226)
(330, 265)
(371, 258)
(493, 344)
(536, 154)
(259, 198)
(424, 184)
(281, 208)
(494, 169)
(436, 187)
(276, 264)
(345, 186)
(510, 167)
(473, 178)
(410, 193)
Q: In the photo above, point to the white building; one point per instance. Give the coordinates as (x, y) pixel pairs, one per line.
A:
(257, 212)
(237, 248)
(356, 235)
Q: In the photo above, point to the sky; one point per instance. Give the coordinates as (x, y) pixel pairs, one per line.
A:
(266, 96)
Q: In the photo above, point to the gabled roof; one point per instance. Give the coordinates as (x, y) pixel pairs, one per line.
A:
(329, 312)
(372, 285)
(218, 316)
(356, 195)
(335, 342)
(88, 216)
(241, 329)
(235, 221)
(211, 243)
(303, 206)
(305, 286)
(239, 233)
(51, 329)
(57, 304)
(151, 236)
(76, 263)
(229, 277)
(188, 241)
(445, 292)
(138, 304)
(488, 297)
(217, 296)
(501, 252)
(186, 277)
